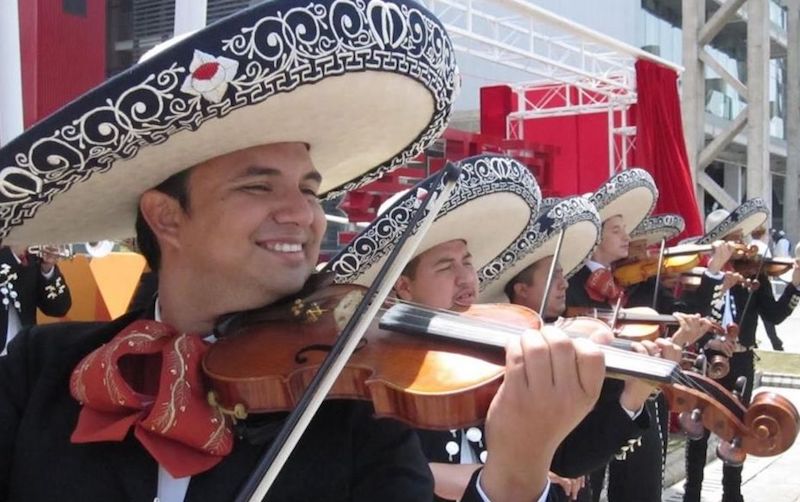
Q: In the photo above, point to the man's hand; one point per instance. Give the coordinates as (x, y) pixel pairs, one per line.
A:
(796, 274)
(571, 486)
(691, 327)
(730, 280)
(723, 251)
(551, 383)
(637, 391)
(49, 260)
(722, 344)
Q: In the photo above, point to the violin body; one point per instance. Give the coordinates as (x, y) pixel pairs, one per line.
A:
(430, 379)
(266, 367)
(640, 270)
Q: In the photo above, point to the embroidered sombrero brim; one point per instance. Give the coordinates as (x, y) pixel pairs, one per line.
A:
(489, 208)
(655, 228)
(366, 84)
(631, 194)
(581, 224)
(750, 215)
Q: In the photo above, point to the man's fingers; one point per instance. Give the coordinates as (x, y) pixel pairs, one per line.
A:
(591, 367)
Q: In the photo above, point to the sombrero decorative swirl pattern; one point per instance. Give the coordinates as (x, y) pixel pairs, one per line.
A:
(489, 208)
(367, 84)
(581, 224)
(655, 228)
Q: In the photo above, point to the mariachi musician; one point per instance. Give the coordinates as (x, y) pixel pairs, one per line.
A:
(742, 306)
(444, 275)
(29, 281)
(225, 141)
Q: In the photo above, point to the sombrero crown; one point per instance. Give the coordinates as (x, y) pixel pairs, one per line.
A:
(489, 208)
(367, 84)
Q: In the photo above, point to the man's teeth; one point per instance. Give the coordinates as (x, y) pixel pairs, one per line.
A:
(285, 247)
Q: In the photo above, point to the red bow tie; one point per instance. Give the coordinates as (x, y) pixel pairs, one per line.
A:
(148, 377)
(601, 287)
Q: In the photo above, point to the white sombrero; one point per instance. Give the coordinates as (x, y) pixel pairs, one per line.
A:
(631, 194)
(655, 228)
(747, 217)
(581, 224)
(489, 208)
(367, 84)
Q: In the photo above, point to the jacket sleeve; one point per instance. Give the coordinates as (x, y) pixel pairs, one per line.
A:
(606, 431)
(772, 310)
(390, 465)
(14, 384)
(53, 296)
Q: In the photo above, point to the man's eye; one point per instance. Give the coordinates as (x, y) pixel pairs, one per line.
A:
(257, 188)
(309, 191)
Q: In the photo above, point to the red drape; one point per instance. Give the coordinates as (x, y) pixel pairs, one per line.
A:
(660, 146)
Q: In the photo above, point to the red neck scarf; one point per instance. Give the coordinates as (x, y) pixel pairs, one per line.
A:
(602, 287)
(170, 415)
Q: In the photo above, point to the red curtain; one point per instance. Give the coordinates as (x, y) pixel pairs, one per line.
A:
(660, 146)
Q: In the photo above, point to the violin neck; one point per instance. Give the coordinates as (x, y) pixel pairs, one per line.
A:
(620, 360)
(634, 317)
(687, 249)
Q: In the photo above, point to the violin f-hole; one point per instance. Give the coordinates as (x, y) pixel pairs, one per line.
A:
(300, 357)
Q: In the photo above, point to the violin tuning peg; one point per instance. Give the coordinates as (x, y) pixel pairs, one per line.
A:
(700, 363)
(731, 453)
(739, 387)
(692, 424)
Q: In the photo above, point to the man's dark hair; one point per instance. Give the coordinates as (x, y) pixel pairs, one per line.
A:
(410, 269)
(524, 277)
(177, 187)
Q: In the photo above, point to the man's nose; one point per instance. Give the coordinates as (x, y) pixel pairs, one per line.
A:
(294, 207)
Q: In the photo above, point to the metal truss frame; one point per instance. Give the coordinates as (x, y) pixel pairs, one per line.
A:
(574, 69)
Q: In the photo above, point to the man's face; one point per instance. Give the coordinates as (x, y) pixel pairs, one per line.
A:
(253, 229)
(444, 278)
(614, 240)
(530, 293)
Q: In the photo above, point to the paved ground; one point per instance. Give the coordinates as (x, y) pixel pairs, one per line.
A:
(775, 479)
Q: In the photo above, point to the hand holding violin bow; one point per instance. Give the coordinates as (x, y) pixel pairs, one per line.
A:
(551, 383)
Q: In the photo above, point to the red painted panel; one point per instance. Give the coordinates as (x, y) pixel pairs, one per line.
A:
(63, 55)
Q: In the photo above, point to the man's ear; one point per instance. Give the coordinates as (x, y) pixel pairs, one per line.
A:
(163, 214)
(403, 288)
(520, 289)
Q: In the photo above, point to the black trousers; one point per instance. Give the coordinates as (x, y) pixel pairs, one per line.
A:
(742, 364)
(640, 476)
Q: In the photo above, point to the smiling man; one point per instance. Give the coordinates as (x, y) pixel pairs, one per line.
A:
(222, 143)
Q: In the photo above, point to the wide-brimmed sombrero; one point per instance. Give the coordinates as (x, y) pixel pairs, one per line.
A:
(631, 194)
(489, 208)
(657, 228)
(367, 84)
(581, 224)
(750, 215)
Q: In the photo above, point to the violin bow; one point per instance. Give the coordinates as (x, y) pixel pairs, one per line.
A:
(551, 272)
(271, 463)
(658, 272)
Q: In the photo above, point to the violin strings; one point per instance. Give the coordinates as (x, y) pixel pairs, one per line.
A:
(485, 331)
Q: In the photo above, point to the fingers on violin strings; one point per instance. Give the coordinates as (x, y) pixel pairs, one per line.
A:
(537, 350)
(590, 366)
(515, 364)
(669, 350)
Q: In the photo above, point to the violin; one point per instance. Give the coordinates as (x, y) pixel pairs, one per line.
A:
(676, 260)
(644, 323)
(690, 280)
(756, 265)
(440, 370)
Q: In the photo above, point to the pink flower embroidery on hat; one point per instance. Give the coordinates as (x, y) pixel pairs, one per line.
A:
(209, 76)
